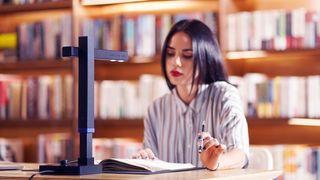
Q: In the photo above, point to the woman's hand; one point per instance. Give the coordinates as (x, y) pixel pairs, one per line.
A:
(144, 154)
(212, 150)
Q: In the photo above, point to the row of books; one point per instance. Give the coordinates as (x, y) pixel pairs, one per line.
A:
(54, 147)
(44, 39)
(273, 30)
(51, 97)
(141, 35)
(11, 150)
(282, 96)
(125, 99)
(42, 97)
(41, 40)
(296, 161)
(104, 148)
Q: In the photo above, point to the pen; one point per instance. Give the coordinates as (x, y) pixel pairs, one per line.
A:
(201, 137)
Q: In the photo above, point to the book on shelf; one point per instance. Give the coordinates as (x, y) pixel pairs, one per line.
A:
(143, 166)
(142, 35)
(11, 150)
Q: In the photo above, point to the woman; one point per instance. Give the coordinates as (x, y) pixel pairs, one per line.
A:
(193, 68)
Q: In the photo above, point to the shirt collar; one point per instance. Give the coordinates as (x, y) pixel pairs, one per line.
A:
(196, 103)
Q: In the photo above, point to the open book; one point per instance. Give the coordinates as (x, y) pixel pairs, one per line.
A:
(142, 166)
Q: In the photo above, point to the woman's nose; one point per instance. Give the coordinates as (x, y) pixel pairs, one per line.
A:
(178, 62)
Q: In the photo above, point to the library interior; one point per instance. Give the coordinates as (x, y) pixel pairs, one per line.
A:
(271, 49)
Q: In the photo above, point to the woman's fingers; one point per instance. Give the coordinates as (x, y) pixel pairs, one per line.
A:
(150, 153)
(144, 154)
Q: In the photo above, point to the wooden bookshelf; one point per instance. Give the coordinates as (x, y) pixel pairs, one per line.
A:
(294, 62)
(32, 128)
(28, 131)
(278, 131)
(11, 16)
(119, 128)
(37, 67)
(261, 131)
(283, 63)
(288, 62)
(125, 71)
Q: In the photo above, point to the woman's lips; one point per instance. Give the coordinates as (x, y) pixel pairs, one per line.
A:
(175, 73)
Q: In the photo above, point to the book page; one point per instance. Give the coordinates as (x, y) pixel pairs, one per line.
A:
(5, 165)
(155, 165)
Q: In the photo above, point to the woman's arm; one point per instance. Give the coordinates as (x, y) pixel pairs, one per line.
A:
(214, 155)
(230, 146)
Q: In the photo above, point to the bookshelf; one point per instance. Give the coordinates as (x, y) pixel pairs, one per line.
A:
(42, 63)
(288, 62)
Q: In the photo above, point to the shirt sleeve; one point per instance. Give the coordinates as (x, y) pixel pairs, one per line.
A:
(234, 128)
(150, 138)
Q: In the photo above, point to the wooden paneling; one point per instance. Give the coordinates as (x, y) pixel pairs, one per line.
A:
(278, 131)
(37, 67)
(124, 128)
(275, 63)
(153, 7)
(125, 71)
(261, 131)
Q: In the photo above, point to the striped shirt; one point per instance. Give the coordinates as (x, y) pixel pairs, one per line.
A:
(171, 126)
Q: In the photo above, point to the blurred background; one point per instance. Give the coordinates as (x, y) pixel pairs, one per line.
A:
(270, 48)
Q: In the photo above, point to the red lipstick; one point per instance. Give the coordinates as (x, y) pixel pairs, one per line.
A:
(175, 73)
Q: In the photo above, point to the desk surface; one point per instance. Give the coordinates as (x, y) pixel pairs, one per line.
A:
(197, 174)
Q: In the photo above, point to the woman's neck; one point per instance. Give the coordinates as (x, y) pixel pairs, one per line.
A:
(186, 94)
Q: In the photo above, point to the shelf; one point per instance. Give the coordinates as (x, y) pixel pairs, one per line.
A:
(37, 67)
(106, 2)
(6, 9)
(32, 128)
(125, 71)
(119, 128)
(153, 7)
(278, 131)
(292, 53)
(276, 4)
(261, 131)
(284, 63)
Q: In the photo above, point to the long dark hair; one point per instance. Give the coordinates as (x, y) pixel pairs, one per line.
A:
(206, 52)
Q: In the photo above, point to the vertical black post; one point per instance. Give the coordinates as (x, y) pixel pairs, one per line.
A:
(87, 54)
(86, 100)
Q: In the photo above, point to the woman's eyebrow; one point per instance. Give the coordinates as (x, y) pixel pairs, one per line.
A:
(169, 47)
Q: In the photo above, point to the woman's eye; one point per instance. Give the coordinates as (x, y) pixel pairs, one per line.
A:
(188, 56)
(170, 54)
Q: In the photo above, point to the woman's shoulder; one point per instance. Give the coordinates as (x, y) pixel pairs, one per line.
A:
(223, 86)
(160, 100)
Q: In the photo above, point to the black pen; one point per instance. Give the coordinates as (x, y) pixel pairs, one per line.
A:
(201, 137)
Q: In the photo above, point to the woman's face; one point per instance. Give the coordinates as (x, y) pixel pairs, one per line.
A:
(179, 59)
